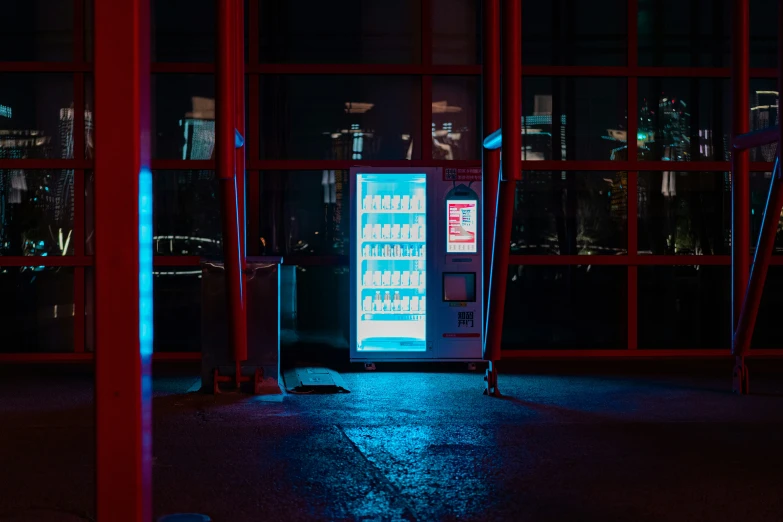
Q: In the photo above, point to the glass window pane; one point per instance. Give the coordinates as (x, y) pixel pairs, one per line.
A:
(183, 30)
(763, 114)
(684, 307)
(686, 213)
(186, 213)
(340, 117)
(89, 19)
(89, 119)
(684, 119)
(569, 307)
(36, 311)
(177, 309)
(349, 31)
(564, 32)
(759, 190)
(767, 332)
(456, 118)
(36, 116)
(763, 33)
(456, 32)
(315, 308)
(571, 213)
(36, 212)
(89, 213)
(37, 30)
(573, 118)
(684, 33)
(304, 212)
(183, 116)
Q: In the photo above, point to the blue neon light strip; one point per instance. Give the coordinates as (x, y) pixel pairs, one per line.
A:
(145, 263)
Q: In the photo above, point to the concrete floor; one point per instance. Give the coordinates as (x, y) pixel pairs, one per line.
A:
(417, 446)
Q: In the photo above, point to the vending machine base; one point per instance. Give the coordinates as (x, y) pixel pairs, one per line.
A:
(263, 326)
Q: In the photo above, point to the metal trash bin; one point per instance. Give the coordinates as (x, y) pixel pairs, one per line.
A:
(263, 323)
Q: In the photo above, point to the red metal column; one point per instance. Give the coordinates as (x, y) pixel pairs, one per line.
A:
(239, 115)
(740, 178)
(123, 261)
(490, 92)
(511, 154)
(239, 40)
(226, 172)
(740, 172)
(490, 170)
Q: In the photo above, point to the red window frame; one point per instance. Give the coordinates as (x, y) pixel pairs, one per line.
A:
(80, 68)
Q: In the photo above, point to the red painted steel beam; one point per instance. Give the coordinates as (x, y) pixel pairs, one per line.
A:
(123, 185)
(528, 166)
(511, 154)
(757, 138)
(239, 116)
(740, 159)
(239, 41)
(758, 274)
(490, 93)
(746, 320)
(226, 174)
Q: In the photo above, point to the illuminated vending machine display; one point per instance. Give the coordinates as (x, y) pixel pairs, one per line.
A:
(390, 270)
(406, 227)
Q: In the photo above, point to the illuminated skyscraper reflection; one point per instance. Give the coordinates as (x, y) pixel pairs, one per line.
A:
(764, 113)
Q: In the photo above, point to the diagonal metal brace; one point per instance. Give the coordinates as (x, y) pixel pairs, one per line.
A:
(758, 275)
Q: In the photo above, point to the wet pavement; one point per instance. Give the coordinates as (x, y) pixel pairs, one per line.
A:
(419, 446)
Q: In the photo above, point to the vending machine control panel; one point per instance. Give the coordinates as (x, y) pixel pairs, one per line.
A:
(459, 261)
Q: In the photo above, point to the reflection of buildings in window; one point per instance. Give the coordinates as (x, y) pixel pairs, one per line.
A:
(333, 183)
(538, 131)
(447, 142)
(198, 129)
(65, 189)
(358, 140)
(618, 201)
(666, 128)
(354, 142)
(763, 114)
(21, 199)
(185, 201)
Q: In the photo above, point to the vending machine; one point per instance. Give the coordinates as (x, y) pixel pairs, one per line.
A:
(416, 254)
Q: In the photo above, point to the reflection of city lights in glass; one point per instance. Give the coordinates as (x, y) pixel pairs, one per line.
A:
(358, 107)
(177, 273)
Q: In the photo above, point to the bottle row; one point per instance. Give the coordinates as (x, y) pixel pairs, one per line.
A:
(404, 278)
(408, 203)
(394, 303)
(395, 251)
(416, 232)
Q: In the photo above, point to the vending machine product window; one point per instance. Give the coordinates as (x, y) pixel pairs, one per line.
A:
(391, 253)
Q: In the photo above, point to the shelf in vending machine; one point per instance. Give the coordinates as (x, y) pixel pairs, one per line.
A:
(393, 211)
(387, 240)
(393, 258)
(390, 287)
(396, 314)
